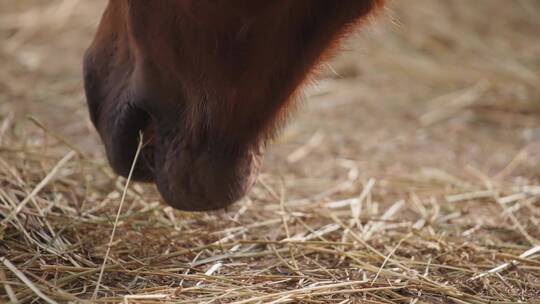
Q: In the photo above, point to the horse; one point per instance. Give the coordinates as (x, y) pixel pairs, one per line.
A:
(208, 83)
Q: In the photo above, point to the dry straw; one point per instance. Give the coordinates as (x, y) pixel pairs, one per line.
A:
(374, 225)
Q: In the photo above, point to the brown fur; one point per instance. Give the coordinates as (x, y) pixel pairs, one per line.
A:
(209, 81)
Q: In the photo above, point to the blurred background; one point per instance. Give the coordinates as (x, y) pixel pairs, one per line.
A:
(427, 115)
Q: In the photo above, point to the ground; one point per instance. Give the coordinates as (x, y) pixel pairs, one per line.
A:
(410, 173)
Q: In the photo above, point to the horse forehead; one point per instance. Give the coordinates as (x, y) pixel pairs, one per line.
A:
(168, 18)
(201, 7)
(218, 26)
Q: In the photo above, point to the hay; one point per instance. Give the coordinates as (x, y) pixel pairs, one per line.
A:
(412, 177)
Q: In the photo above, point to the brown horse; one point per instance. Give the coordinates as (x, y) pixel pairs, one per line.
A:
(208, 82)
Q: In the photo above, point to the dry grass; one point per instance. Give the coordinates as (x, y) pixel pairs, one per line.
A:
(410, 176)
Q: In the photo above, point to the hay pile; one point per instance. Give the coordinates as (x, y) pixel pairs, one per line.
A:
(411, 175)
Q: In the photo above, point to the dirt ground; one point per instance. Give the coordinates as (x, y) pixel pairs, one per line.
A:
(409, 173)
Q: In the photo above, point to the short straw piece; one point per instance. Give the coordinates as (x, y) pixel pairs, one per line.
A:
(26, 281)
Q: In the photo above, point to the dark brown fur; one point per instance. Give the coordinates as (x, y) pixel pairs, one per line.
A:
(208, 81)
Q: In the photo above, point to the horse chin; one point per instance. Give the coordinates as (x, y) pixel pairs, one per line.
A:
(206, 179)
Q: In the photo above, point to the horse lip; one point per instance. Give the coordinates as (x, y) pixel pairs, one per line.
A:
(120, 131)
(148, 149)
